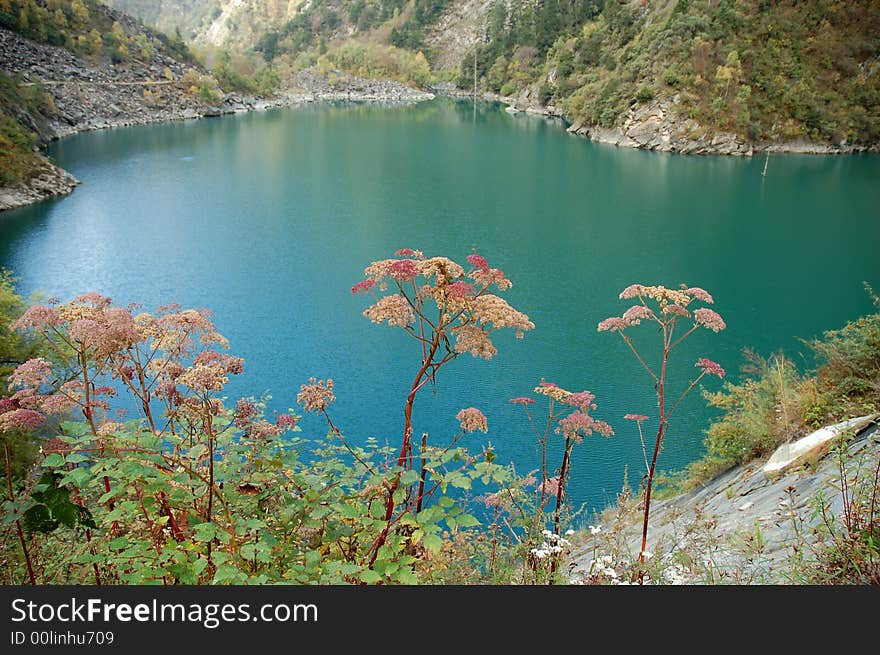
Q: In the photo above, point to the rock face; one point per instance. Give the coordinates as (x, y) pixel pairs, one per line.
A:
(655, 125)
(50, 181)
(742, 521)
(812, 447)
(308, 86)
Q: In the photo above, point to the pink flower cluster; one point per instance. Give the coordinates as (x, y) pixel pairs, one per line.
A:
(316, 395)
(579, 424)
(672, 303)
(638, 418)
(709, 367)
(709, 319)
(472, 419)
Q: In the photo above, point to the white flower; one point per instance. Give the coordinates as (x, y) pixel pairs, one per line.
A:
(540, 553)
(647, 555)
(569, 532)
(595, 529)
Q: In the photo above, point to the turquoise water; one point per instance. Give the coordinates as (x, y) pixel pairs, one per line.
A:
(269, 218)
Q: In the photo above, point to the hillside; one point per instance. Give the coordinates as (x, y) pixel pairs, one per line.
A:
(68, 66)
(683, 75)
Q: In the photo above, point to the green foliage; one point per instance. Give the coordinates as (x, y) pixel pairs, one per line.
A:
(213, 495)
(849, 359)
(774, 403)
(772, 71)
(52, 506)
(377, 61)
(18, 161)
(79, 25)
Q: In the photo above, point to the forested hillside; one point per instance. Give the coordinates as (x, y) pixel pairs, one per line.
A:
(764, 71)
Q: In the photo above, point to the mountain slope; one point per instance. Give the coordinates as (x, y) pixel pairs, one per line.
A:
(668, 74)
(68, 66)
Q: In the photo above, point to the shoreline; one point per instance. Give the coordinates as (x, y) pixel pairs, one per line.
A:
(307, 88)
(655, 127)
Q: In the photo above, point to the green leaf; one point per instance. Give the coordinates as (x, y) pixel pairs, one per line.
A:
(200, 565)
(205, 531)
(54, 460)
(370, 577)
(445, 502)
(78, 477)
(119, 544)
(406, 576)
(399, 495)
(39, 519)
(433, 543)
(468, 521)
(227, 574)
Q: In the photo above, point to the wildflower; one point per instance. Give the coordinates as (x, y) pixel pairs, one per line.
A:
(523, 400)
(210, 371)
(700, 294)
(552, 390)
(478, 262)
(569, 532)
(316, 395)
(635, 314)
(595, 529)
(647, 555)
(486, 277)
(474, 340)
(709, 319)
(550, 486)
(441, 268)
(24, 419)
(245, 410)
(109, 428)
(583, 400)
(632, 291)
(578, 425)
(490, 309)
(613, 324)
(709, 367)
(492, 500)
(286, 421)
(461, 289)
(363, 286)
(472, 419)
(37, 317)
(403, 270)
(678, 310)
(94, 299)
(638, 418)
(32, 374)
(394, 309)
(409, 252)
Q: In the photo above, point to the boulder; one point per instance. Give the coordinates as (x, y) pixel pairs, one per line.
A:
(812, 447)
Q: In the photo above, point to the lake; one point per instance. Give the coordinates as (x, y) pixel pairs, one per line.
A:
(269, 218)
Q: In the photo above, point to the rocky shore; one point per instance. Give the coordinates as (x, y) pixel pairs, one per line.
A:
(93, 96)
(656, 125)
(747, 523)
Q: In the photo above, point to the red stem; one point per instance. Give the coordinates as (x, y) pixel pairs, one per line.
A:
(24, 548)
